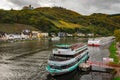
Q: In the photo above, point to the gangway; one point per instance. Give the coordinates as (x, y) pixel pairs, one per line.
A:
(103, 64)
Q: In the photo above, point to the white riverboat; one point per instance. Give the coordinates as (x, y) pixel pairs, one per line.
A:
(66, 58)
(100, 41)
(55, 38)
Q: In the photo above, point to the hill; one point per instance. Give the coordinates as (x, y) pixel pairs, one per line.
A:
(57, 19)
(15, 28)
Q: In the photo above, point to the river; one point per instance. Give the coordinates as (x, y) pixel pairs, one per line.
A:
(26, 60)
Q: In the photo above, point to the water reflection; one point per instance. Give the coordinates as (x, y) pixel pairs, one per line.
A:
(74, 75)
(79, 75)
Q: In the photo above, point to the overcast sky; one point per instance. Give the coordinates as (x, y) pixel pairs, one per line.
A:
(84, 7)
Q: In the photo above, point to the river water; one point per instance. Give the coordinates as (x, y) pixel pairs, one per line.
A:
(27, 60)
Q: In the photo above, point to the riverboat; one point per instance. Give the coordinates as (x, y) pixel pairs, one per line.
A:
(100, 41)
(66, 58)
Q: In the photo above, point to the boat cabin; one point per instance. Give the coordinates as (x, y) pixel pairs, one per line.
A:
(61, 52)
(62, 49)
(65, 52)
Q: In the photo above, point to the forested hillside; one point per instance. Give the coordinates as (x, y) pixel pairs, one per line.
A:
(57, 19)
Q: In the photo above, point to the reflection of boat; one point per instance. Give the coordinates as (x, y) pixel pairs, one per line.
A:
(100, 41)
(55, 38)
(66, 58)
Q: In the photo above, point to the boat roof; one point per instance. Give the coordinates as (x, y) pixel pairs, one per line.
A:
(63, 45)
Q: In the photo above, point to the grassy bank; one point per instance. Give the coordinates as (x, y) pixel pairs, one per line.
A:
(113, 53)
(117, 78)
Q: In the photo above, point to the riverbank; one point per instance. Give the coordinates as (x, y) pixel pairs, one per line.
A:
(117, 78)
(114, 53)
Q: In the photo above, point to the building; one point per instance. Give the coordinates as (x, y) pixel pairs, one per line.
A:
(61, 34)
(69, 35)
(80, 34)
(26, 34)
(13, 37)
(90, 34)
(28, 7)
(44, 35)
(38, 34)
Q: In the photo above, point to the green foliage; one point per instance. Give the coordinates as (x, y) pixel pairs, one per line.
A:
(117, 35)
(113, 53)
(104, 21)
(99, 30)
(85, 30)
(16, 28)
(57, 19)
(117, 78)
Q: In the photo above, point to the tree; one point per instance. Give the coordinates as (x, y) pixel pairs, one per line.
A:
(117, 35)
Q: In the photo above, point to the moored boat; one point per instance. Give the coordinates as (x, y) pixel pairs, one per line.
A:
(100, 41)
(55, 38)
(66, 58)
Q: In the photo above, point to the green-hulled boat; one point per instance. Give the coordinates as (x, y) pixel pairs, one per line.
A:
(66, 58)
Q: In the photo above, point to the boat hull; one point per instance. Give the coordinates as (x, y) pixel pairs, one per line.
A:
(54, 72)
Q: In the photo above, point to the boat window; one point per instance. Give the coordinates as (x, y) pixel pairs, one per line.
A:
(55, 57)
(69, 56)
(63, 47)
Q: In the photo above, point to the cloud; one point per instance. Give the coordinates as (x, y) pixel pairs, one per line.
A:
(35, 3)
(5, 5)
(93, 6)
(81, 6)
